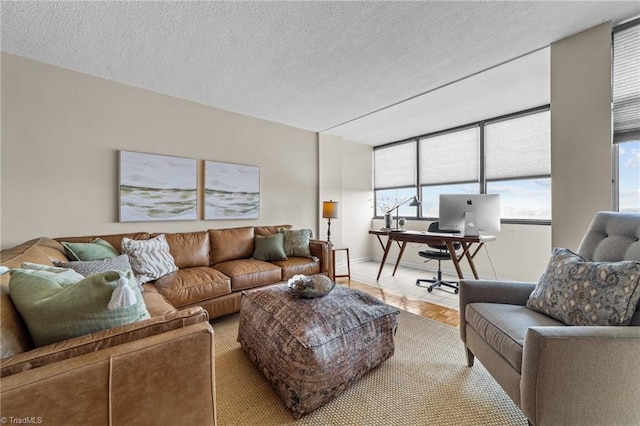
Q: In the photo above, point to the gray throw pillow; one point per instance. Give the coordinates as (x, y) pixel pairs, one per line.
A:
(577, 291)
(270, 247)
(92, 267)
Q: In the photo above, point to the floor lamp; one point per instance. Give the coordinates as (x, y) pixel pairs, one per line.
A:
(329, 211)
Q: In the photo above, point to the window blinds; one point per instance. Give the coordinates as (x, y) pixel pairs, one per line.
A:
(450, 157)
(518, 147)
(395, 165)
(626, 84)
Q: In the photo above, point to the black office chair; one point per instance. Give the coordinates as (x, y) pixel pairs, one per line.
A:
(438, 253)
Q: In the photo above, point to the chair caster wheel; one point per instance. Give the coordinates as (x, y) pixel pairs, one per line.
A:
(429, 289)
(456, 291)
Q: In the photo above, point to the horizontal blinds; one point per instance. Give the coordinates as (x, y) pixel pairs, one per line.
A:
(626, 84)
(395, 165)
(518, 147)
(450, 157)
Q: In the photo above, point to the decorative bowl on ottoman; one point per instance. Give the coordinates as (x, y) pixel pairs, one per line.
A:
(311, 287)
(312, 350)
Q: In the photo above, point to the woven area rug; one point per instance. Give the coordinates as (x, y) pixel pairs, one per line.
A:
(426, 382)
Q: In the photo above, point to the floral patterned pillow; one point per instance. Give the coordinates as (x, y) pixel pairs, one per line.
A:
(577, 291)
(296, 242)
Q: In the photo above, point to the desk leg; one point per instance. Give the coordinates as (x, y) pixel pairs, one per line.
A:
(404, 244)
(454, 259)
(470, 259)
(384, 257)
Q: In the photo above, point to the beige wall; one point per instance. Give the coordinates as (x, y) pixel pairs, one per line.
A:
(346, 170)
(61, 132)
(580, 132)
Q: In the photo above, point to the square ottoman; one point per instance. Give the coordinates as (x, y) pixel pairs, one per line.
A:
(311, 350)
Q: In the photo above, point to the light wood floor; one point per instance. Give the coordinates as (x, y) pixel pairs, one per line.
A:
(408, 303)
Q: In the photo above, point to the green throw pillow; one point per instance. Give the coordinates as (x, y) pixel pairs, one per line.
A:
(53, 312)
(270, 247)
(577, 291)
(97, 249)
(296, 242)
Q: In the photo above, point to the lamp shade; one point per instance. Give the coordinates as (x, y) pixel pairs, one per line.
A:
(330, 209)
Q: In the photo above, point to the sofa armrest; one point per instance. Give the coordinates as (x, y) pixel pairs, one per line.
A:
(581, 375)
(322, 250)
(154, 380)
(485, 291)
(102, 339)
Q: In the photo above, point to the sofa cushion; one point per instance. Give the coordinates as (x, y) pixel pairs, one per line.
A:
(577, 291)
(150, 259)
(95, 250)
(298, 266)
(270, 230)
(54, 312)
(192, 285)
(504, 326)
(231, 244)
(296, 242)
(269, 247)
(189, 249)
(249, 273)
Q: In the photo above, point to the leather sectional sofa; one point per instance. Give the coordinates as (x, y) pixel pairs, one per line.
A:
(156, 371)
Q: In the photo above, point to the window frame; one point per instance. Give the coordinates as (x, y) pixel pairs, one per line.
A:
(482, 181)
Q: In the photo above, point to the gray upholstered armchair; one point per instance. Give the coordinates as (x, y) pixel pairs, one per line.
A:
(559, 374)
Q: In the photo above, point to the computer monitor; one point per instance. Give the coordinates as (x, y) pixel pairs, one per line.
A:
(470, 214)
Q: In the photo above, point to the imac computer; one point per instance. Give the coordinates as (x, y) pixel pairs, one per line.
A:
(470, 214)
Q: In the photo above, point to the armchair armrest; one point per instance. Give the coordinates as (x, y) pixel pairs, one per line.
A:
(561, 365)
(505, 292)
(150, 381)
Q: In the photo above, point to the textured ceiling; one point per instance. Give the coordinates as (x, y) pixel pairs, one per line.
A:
(312, 65)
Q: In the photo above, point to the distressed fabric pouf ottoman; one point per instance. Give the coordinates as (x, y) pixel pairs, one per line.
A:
(311, 350)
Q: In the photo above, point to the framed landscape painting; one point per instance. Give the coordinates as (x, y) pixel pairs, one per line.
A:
(157, 187)
(231, 191)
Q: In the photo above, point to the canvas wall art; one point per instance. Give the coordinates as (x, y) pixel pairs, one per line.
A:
(157, 187)
(232, 191)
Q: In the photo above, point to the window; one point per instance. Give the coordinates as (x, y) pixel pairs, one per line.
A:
(395, 177)
(509, 155)
(518, 165)
(449, 164)
(629, 177)
(626, 115)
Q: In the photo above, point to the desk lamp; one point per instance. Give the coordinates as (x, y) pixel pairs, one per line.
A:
(329, 211)
(414, 203)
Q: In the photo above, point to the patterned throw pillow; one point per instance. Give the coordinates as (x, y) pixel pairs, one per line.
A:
(296, 241)
(95, 250)
(579, 292)
(270, 247)
(150, 259)
(54, 312)
(92, 267)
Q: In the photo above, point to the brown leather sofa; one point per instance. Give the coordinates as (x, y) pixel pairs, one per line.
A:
(156, 371)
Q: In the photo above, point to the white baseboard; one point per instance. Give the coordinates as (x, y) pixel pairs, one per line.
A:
(423, 266)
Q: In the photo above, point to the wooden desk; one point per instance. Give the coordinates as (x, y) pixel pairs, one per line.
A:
(442, 239)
